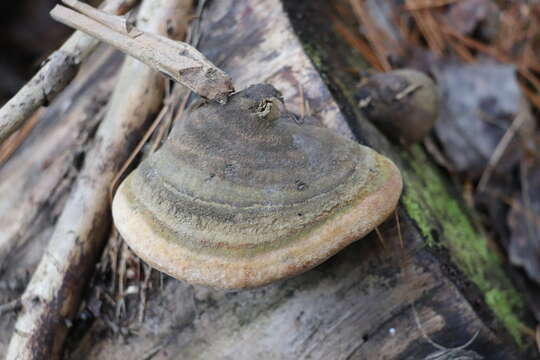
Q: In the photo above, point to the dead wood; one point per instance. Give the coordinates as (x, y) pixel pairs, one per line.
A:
(53, 77)
(35, 180)
(52, 297)
(357, 305)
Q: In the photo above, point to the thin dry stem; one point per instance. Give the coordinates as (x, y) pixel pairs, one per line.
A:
(380, 237)
(519, 120)
(429, 28)
(144, 291)
(183, 94)
(122, 266)
(375, 36)
(426, 4)
(359, 44)
(53, 295)
(53, 77)
(119, 176)
(13, 142)
(396, 216)
(177, 60)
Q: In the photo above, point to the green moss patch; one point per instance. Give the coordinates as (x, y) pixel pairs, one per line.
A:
(439, 214)
(443, 221)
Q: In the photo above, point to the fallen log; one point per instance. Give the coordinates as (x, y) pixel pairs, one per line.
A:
(374, 299)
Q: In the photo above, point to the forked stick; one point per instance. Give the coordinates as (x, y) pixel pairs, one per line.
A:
(52, 297)
(177, 60)
(53, 77)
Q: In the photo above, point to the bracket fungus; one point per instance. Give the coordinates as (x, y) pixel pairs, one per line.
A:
(401, 103)
(241, 195)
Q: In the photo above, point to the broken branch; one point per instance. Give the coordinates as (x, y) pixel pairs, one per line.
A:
(53, 77)
(176, 60)
(52, 298)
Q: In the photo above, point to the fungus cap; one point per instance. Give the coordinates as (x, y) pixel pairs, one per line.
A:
(241, 195)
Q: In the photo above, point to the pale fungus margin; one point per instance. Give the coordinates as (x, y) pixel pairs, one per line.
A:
(242, 195)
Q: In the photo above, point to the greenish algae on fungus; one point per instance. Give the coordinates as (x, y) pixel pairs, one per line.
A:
(241, 195)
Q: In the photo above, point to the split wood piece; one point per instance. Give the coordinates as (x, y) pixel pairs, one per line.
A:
(53, 77)
(53, 295)
(241, 195)
(177, 60)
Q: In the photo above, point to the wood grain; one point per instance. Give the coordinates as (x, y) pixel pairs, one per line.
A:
(354, 306)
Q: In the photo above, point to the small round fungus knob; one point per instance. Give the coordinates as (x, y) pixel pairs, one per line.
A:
(241, 195)
(402, 103)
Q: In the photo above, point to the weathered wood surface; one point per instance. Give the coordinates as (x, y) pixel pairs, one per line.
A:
(37, 179)
(52, 297)
(357, 305)
(53, 77)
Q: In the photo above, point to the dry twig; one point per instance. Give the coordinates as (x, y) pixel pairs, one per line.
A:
(376, 37)
(519, 120)
(13, 142)
(359, 44)
(53, 295)
(53, 77)
(426, 4)
(180, 92)
(428, 26)
(177, 60)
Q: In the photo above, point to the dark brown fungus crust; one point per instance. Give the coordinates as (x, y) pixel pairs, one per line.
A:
(401, 103)
(242, 195)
